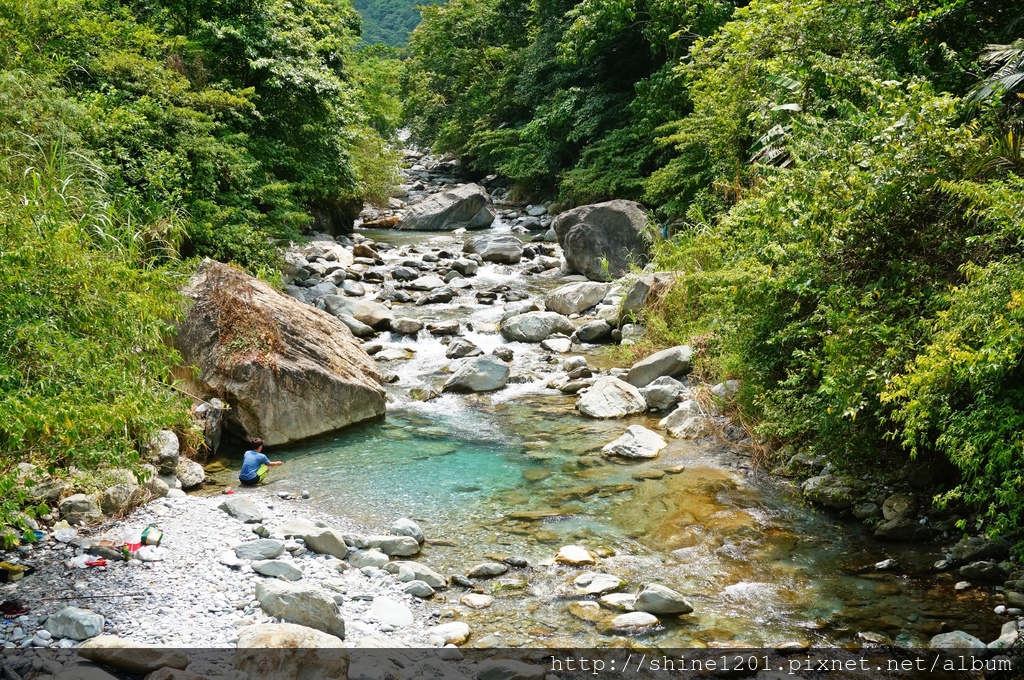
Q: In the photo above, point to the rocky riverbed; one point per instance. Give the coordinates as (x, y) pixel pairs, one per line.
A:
(577, 500)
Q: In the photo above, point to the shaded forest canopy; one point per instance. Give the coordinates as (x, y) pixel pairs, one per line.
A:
(389, 22)
(843, 182)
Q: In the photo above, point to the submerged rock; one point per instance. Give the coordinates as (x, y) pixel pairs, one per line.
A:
(659, 599)
(575, 555)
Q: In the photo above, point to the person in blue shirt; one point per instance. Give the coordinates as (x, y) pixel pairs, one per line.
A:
(255, 465)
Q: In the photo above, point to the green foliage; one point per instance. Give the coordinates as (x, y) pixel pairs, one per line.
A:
(84, 304)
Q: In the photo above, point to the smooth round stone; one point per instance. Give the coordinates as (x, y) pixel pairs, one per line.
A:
(418, 589)
(477, 600)
(390, 612)
(454, 633)
(621, 601)
(575, 555)
(487, 570)
(633, 621)
(596, 583)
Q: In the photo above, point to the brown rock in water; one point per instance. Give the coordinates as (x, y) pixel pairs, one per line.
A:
(288, 370)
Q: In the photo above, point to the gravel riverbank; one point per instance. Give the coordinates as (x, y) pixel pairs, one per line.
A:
(192, 597)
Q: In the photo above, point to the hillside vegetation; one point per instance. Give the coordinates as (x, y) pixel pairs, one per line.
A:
(844, 186)
(133, 136)
(389, 22)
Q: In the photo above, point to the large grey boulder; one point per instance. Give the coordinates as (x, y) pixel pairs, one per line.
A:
(610, 398)
(830, 491)
(277, 569)
(75, 623)
(163, 451)
(636, 442)
(573, 298)
(288, 371)
(481, 374)
(535, 326)
(373, 314)
(466, 207)
(956, 639)
(658, 599)
(671, 362)
(503, 249)
(285, 650)
(190, 473)
(301, 604)
(645, 290)
(406, 527)
(602, 241)
(320, 540)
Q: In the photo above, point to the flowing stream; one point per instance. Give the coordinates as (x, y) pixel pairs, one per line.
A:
(517, 472)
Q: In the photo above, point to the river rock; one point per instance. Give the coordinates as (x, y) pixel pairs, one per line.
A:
(406, 326)
(602, 241)
(633, 622)
(575, 555)
(454, 633)
(611, 398)
(622, 602)
(442, 328)
(406, 527)
(982, 570)
(357, 327)
(670, 362)
(75, 623)
(898, 506)
(503, 249)
(190, 473)
(80, 509)
(637, 442)
(390, 612)
(462, 348)
(368, 558)
(901, 529)
(596, 583)
(481, 374)
(115, 498)
(978, 548)
(131, 656)
(658, 599)
(309, 375)
(686, 423)
(535, 326)
(260, 549)
(956, 640)
(557, 344)
(507, 669)
(594, 332)
(300, 604)
(477, 600)
(646, 289)
(286, 650)
(466, 207)
(465, 266)
(243, 509)
(418, 589)
(587, 610)
(574, 298)
(373, 314)
(830, 491)
(322, 540)
(662, 394)
(352, 288)
(163, 449)
(426, 283)
(392, 546)
(414, 571)
(277, 569)
(487, 570)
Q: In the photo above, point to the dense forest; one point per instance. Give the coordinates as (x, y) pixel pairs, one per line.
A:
(389, 22)
(841, 182)
(133, 137)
